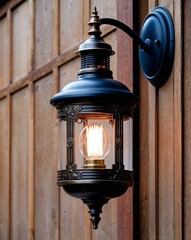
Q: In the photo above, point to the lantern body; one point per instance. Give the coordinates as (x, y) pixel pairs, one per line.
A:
(109, 159)
(93, 110)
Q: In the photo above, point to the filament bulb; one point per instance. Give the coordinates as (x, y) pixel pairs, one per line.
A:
(94, 145)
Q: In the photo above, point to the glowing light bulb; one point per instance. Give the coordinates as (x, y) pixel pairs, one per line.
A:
(94, 145)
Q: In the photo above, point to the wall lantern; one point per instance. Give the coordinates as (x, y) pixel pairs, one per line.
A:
(95, 108)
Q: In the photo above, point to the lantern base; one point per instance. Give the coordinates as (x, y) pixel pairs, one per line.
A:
(95, 193)
(95, 187)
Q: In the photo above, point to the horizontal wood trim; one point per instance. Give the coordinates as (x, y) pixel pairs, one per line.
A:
(36, 74)
(9, 6)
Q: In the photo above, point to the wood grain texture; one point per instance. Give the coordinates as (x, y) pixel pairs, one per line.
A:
(21, 41)
(170, 140)
(19, 165)
(124, 67)
(71, 23)
(46, 191)
(4, 172)
(3, 52)
(45, 35)
(166, 217)
(187, 122)
(153, 179)
(43, 32)
(31, 129)
(178, 121)
(164, 182)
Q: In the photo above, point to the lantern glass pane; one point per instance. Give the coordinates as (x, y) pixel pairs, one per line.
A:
(62, 156)
(128, 144)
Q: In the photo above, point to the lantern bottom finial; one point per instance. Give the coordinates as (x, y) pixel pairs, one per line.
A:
(95, 208)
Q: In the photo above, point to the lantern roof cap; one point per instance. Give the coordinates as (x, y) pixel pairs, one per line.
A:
(93, 88)
(95, 42)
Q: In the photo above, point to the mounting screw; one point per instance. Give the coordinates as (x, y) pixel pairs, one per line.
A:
(157, 42)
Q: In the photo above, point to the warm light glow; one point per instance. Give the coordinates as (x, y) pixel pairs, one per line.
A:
(94, 142)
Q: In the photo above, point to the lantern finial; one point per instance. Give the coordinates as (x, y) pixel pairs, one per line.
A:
(95, 11)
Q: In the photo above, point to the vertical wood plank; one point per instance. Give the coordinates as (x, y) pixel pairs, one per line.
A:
(141, 137)
(8, 113)
(72, 222)
(178, 119)
(4, 172)
(21, 41)
(19, 166)
(125, 62)
(43, 32)
(31, 33)
(31, 127)
(71, 23)
(153, 156)
(10, 47)
(187, 123)
(165, 156)
(46, 191)
(3, 52)
(55, 26)
(55, 88)
(153, 164)
(165, 144)
(166, 165)
(31, 161)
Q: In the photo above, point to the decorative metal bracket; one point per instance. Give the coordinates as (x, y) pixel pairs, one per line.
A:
(157, 43)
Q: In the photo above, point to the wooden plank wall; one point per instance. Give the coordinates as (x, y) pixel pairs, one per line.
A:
(37, 60)
(38, 43)
(187, 122)
(161, 203)
(125, 62)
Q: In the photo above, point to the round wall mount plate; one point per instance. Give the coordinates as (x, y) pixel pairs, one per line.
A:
(158, 33)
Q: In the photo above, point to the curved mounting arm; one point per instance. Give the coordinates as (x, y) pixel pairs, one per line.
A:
(126, 29)
(156, 41)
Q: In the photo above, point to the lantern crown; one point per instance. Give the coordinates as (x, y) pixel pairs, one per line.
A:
(95, 84)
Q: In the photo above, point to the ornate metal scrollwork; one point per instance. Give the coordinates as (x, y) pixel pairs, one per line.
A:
(119, 143)
(70, 173)
(120, 110)
(68, 112)
(70, 142)
(118, 173)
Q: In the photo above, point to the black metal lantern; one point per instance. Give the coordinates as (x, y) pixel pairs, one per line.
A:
(91, 105)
